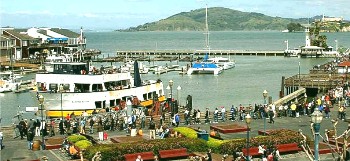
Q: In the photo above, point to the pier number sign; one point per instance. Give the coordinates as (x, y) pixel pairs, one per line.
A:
(32, 109)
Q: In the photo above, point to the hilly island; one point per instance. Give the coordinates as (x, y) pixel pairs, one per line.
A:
(225, 19)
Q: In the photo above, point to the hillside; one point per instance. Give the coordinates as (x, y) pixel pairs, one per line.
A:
(219, 19)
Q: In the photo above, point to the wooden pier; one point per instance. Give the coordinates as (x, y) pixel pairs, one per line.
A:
(202, 52)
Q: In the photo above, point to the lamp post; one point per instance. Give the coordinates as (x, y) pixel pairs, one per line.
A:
(178, 93)
(299, 72)
(248, 120)
(171, 83)
(61, 90)
(265, 94)
(316, 119)
(41, 101)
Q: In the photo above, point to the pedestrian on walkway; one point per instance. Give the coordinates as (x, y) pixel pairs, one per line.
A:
(207, 113)
(30, 137)
(216, 112)
(223, 112)
(232, 110)
(1, 139)
(152, 130)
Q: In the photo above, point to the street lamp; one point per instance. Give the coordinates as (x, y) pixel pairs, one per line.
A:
(248, 120)
(171, 83)
(41, 101)
(316, 119)
(299, 72)
(178, 93)
(265, 94)
(61, 90)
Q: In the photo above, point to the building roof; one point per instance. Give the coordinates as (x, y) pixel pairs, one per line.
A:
(4, 37)
(19, 35)
(344, 64)
(44, 32)
(65, 32)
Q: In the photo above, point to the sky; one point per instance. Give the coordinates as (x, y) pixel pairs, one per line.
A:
(122, 14)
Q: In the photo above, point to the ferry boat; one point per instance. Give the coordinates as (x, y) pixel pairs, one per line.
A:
(79, 86)
(225, 63)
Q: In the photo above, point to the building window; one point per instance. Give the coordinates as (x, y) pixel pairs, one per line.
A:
(24, 43)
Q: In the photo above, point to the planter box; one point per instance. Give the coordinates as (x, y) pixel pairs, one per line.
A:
(323, 148)
(340, 142)
(225, 129)
(53, 143)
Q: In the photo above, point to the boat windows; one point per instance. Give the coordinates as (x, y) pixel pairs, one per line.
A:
(97, 88)
(41, 86)
(53, 87)
(112, 103)
(145, 96)
(81, 87)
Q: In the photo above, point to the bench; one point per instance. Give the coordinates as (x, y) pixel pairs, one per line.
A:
(173, 153)
(144, 156)
(286, 148)
(253, 151)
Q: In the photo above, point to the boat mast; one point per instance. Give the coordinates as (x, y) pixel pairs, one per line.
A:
(207, 30)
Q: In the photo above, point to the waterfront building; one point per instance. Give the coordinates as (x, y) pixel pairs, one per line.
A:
(42, 42)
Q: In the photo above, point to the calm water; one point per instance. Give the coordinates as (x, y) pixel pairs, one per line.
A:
(242, 85)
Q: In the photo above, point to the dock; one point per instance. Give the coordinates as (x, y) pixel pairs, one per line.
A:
(202, 52)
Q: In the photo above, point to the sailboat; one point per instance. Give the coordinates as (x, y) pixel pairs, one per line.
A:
(206, 66)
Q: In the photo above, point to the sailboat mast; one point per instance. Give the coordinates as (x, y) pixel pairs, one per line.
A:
(207, 30)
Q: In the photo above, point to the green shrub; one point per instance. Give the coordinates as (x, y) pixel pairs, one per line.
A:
(187, 132)
(83, 144)
(75, 138)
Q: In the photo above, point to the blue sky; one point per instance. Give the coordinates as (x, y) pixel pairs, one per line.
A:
(120, 14)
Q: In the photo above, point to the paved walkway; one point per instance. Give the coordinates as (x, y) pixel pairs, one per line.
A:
(16, 149)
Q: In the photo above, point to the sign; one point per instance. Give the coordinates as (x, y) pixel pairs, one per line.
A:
(32, 109)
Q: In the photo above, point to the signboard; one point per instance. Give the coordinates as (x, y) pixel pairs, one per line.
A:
(32, 109)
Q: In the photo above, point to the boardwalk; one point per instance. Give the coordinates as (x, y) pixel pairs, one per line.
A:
(202, 52)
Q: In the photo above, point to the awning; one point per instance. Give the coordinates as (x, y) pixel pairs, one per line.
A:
(57, 39)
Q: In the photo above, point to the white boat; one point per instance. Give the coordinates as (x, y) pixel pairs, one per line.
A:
(204, 68)
(78, 86)
(8, 82)
(225, 63)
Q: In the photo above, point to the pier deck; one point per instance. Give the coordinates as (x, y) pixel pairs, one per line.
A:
(202, 52)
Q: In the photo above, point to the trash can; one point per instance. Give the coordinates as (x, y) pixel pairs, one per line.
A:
(36, 145)
(203, 135)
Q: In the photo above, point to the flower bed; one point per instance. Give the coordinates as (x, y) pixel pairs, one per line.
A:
(232, 128)
(276, 137)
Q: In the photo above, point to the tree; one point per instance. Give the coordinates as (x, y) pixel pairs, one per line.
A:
(292, 27)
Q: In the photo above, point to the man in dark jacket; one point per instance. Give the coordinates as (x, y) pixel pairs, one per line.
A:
(30, 137)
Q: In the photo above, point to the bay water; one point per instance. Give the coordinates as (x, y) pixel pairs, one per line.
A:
(243, 84)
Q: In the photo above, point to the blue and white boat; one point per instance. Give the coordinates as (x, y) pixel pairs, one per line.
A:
(205, 67)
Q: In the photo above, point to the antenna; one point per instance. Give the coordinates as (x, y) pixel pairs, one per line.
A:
(206, 30)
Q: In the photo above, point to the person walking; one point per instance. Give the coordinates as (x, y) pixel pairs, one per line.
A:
(232, 110)
(52, 128)
(152, 130)
(1, 139)
(216, 115)
(207, 113)
(30, 138)
(223, 112)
